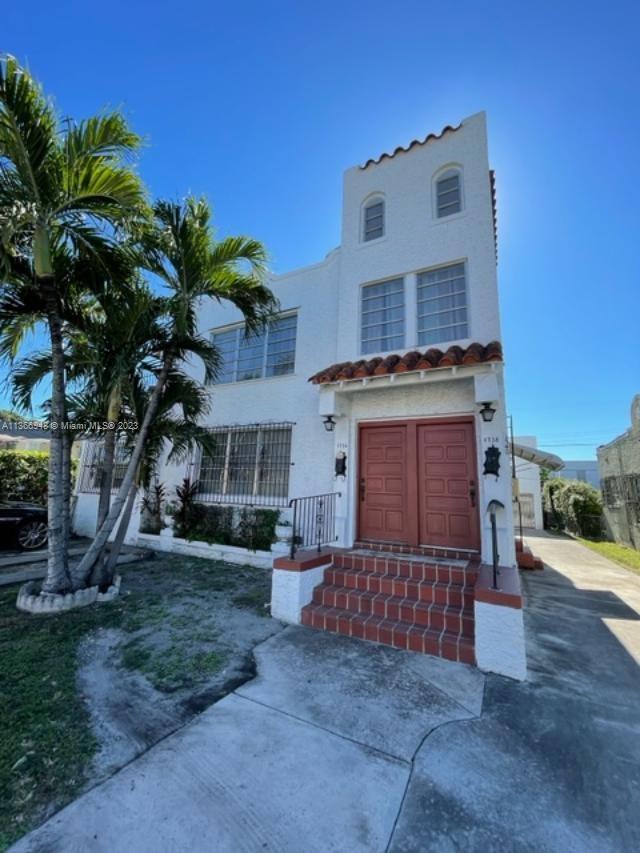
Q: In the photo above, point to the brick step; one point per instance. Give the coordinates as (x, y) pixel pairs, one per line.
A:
(417, 569)
(419, 550)
(428, 591)
(402, 635)
(525, 559)
(437, 617)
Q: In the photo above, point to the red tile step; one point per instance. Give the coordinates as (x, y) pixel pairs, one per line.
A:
(401, 635)
(423, 605)
(420, 551)
(432, 592)
(394, 565)
(438, 617)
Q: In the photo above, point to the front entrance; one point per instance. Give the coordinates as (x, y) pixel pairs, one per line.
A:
(418, 483)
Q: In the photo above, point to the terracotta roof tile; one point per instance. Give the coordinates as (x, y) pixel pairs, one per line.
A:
(433, 358)
(402, 150)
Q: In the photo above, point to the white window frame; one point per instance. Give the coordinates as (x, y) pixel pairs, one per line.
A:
(239, 329)
(444, 173)
(363, 312)
(466, 306)
(370, 201)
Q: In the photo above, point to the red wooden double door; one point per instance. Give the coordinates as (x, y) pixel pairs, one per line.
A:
(418, 483)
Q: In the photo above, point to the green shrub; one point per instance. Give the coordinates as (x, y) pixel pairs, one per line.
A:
(24, 475)
(249, 528)
(574, 506)
(256, 529)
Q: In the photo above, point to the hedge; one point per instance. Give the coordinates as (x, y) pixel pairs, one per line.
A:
(574, 506)
(24, 475)
(249, 528)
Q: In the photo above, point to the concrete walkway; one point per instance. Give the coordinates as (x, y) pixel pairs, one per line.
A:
(339, 745)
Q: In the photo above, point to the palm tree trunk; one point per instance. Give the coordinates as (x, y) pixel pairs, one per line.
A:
(98, 574)
(81, 572)
(106, 477)
(116, 545)
(57, 578)
(66, 487)
(106, 474)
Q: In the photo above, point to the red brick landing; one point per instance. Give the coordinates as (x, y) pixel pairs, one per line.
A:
(525, 557)
(413, 602)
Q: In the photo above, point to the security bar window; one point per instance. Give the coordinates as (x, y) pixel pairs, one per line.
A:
(374, 220)
(442, 305)
(269, 353)
(383, 316)
(248, 465)
(92, 467)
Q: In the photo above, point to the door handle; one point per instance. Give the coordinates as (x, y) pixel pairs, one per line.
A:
(362, 488)
(472, 492)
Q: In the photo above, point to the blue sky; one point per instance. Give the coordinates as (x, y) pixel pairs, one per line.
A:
(262, 105)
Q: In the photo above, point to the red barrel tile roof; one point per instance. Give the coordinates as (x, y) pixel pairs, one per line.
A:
(473, 354)
(402, 150)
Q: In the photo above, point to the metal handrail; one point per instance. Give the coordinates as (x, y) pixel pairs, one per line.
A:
(314, 521)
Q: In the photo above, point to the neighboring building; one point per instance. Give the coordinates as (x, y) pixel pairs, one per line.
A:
(19, 434)
(584, 470)
(369, 386)
(528, 487)
(529, 512)
(619, 464)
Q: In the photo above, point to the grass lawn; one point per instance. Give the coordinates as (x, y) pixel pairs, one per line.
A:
(172, 619)
(627, 557)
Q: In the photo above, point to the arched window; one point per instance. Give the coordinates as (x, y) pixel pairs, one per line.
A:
(373, 219)
(449, 193)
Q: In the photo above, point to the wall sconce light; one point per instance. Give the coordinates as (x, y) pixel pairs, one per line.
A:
(329, 423)
(487, 412)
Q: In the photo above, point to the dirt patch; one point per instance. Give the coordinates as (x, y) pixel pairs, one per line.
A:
(87, 690)
(185, 640)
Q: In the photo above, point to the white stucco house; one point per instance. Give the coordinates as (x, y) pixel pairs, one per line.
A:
(378, 396)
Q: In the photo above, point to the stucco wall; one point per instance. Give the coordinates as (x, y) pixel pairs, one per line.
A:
(415, 240)
(326, 297)
(621, 458)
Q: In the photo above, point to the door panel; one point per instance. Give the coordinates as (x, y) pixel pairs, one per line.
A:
(383, 483)
(446, 479)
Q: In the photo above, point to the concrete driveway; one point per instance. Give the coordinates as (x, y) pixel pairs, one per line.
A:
(339, 745)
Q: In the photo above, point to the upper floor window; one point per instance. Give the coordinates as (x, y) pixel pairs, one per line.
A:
(373, 221)
(442, 305)
(383, 316)
(448, 193)
(268, 353)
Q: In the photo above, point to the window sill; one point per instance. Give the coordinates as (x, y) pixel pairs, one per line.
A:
(453, 217)
(366, 244)
(240, 382)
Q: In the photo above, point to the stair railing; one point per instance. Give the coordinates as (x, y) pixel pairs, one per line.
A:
(314, 521)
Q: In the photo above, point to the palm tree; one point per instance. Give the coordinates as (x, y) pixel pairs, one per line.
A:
(180, 433)
(183, 254)
(61, 184)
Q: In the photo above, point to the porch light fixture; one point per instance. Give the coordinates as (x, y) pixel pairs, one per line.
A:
(487, 412)
(329, 423)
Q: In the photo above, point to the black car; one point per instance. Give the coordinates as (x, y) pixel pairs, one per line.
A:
(23, 524)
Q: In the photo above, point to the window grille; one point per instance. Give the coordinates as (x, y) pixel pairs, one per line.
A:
(92, 466)
(249, 465)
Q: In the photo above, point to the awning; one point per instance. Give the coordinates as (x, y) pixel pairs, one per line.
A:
(538, 457)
